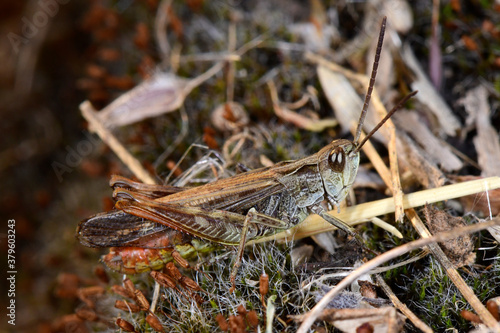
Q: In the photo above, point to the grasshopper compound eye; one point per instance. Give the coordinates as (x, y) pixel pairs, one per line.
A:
(336, 160)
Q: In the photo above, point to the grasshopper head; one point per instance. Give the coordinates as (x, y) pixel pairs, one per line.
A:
(338, 166)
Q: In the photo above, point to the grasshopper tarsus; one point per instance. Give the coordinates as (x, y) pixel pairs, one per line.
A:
(337, 222)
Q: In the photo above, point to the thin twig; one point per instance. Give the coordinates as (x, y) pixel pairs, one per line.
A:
(402, 307)
(195, 82)
(311, 316)
(251, 44)
(210, 56)
(161, 29)
(299, 120)
(231, 65)
(130, 161)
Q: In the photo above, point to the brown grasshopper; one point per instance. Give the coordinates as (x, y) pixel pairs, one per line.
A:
(154, 223)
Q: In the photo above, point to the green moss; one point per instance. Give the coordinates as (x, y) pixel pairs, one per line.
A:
(433, 297)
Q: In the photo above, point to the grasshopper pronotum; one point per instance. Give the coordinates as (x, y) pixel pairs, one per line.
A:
(153, 223)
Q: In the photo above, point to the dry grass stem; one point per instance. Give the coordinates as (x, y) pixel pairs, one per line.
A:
(231, 66)
(315, 224)
(161, 22)
(377, 162)
(345, 272)
(210, 56)
(386, 226)
(397, 190)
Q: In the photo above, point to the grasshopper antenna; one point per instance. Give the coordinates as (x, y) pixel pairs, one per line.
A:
(389, 114)
(372, 79)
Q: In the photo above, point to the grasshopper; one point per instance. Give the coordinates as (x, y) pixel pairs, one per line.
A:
(155, 223)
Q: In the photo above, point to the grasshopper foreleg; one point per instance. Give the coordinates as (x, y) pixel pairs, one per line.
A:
(332, 220)
(339, 224)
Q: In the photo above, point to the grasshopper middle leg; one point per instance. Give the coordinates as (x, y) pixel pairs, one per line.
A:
(252, 216)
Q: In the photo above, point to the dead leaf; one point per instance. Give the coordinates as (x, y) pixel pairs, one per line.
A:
(428, 96)
(342, 97)
(440, 154)
(162, 93)
(366, 320)
(487, 141)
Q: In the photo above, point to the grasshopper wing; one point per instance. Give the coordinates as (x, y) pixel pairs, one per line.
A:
(236, 194)
(218, 226)
(116, 228)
